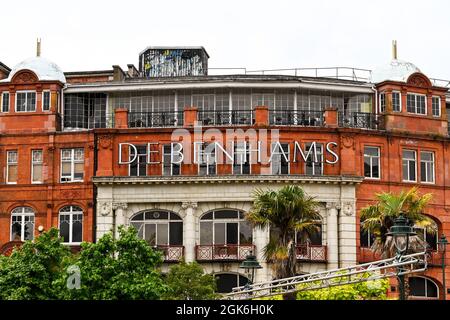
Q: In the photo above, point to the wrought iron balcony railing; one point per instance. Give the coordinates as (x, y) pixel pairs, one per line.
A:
(361, 120)
(171, 253)
(225, 118)
(311, 253)
(223, 252)
(296, 118)
(155, 119)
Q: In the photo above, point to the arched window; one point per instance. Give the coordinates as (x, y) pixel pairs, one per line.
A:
(224, 227)
(431, 238)
(313, 237)
(71, 224)
(420, 287)
(227, 281)
(159, 228)
(22, 224)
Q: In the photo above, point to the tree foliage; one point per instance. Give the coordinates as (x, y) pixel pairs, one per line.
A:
(187, 281)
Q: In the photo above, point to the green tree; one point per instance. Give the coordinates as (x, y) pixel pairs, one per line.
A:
(32, 271)
(187, 281)
(379, 218)
(286, 211)
(125, 268)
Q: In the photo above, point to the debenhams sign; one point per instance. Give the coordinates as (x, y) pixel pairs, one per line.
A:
(217, 152)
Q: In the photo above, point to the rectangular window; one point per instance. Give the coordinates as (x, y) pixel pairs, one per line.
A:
(25, 101)
(409, 166)
(396, 102)
(372, 162)
(5, 102)
(138, 168)
(416, 103)
(36, 166)
(206, 159)
(366, 238)
(427, 166)
(241, 163)
(382, 102)
(46, 100)
(436, 106)
(169, 168)
(311, 166)
(279, 163)
(72, 165)
(12, 166)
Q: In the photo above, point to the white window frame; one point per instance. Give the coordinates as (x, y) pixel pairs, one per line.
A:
(72, 166)
(32, 166)
(22, 216)
(200, 156)
(71, 213)
(281, 157)
(138, 163)
(26, 99)
(432, 162)
(415, 166)
(226, 221)
(2, 101)
(371, 162)
(170, 162)
(399, 99)
(382, 105)
(319, 157)
(426, 289)
(415, 103)
(49, 100)
(239, 146)
(439, 106)
(8, 163)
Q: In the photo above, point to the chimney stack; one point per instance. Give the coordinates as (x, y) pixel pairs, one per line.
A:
(38, 48)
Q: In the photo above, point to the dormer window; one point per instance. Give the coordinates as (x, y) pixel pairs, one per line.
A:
(396, 101)
(46, 101)
(416, 103)
(25, 101)
(436, 106)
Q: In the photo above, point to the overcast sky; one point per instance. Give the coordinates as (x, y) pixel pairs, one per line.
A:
(94, 35)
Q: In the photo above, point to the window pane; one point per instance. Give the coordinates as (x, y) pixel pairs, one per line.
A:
(16, 231)
(150, 233)
(12, 173)
(64, 227)
(163, 234)
(232, 233)
(219, 233)
(176, 233)
(77, 228)
(245, 233)
(206, 232)
(417, 286)
(37, 172)
(226, 214)
(29, 230)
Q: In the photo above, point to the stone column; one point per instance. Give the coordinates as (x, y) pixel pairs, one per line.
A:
(260, 240)
(189, 231)
(332, 235)
(120, 217)
(347, 234)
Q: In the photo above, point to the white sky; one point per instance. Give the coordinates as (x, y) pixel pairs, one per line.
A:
(94, 35)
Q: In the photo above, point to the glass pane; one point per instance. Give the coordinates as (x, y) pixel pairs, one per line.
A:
(163, 234)
(156, 215)
(29, 230)
(79, 169)
(139, 226)
(226, 214)
(208, 216)
(176, 233)
(367, 172)
(77, 230)
(417, 287)
(232, 233)
(150, 233)
(16, 231)
(12, 173)
(431, 289)
(66, 168)
(219, 233)
(206, 234)
(174, 216)
(226, 282)
(138, 217)
(37, 172)
(64, 228)
(245, 233)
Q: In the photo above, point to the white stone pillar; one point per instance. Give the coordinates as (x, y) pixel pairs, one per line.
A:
(347, 234)
(260, 240)
(189, 231)
(332, 235)
(105, 221)
(120, 216)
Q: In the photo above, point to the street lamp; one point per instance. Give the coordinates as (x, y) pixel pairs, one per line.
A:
(250, 264)
(443, 242)
(400, 232)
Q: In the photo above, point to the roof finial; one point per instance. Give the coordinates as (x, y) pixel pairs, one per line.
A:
(394, 49)
(38, 47)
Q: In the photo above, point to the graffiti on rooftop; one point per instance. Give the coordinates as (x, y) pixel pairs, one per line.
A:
(173, 62)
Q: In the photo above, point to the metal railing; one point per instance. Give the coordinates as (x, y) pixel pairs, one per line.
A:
(311, 253)
(155, 119)
(223, 252)
(361, 120)
(225, 118)
(171, 253)
(296, 118)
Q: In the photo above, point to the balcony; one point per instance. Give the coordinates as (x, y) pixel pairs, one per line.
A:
(296, 118)
(225, 118)
(311, 253)
(171, 253)
(225, 252)
(155, 119)
(360, 120)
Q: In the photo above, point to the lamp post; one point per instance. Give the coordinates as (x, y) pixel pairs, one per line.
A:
(443, 242)
(400, 232)
(250, 264)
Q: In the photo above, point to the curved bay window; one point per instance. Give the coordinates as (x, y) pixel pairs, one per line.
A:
(22, 224)
(162, 230)
(422, 288)
(71, 224)
(224, 235)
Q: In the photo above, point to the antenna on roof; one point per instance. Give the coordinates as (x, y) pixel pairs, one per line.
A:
(394, 49)
(38, 47)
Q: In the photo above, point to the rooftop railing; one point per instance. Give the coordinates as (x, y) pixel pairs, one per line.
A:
(224, 118)
(360, 120)
(296, 118)
(155, 119)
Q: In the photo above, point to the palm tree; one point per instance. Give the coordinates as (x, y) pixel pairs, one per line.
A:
(379, 218)
(288, 211)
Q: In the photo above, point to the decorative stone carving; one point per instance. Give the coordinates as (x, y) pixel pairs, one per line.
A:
(347, 208)
(104, 208)
(24, 77)
(105, 142)
(119, 205)
(70, 194)
(348, 141)
(419, 80)
(192, 205)
(332, 205)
